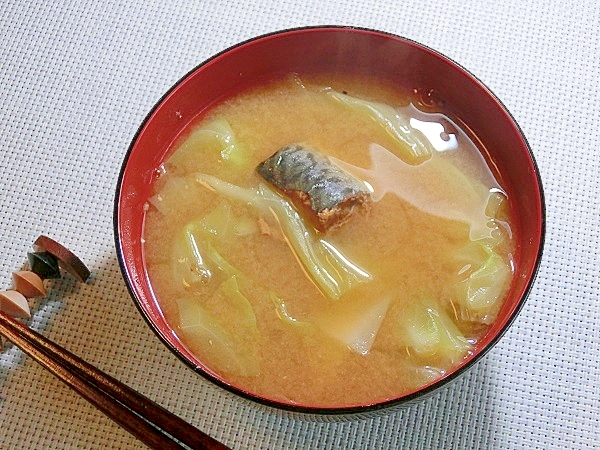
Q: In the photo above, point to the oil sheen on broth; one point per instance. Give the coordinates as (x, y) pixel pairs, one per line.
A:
(361, 313)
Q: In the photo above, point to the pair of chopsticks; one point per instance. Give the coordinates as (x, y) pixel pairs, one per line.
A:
(149, 422)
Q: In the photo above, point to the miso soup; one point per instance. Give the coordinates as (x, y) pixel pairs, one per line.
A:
(360, 312)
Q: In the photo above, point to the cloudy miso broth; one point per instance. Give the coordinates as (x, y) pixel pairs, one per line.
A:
(386, 301)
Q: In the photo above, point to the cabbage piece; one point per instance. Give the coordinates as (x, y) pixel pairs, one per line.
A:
(355, 327)
(429, 332)
(430, 373)
(331, 271)
(222, 350)
(194, 260)
(217, 223)
(328, 267)
(187, 262)
(497, 205)
(411, 147)
(484, 281)
(221, 223)
(245, 226)
(227, 346)
(233, 151)
(237, 302)
(282, 312)
(216, 134)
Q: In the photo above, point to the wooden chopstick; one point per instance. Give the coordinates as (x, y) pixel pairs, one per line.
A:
(146, 420)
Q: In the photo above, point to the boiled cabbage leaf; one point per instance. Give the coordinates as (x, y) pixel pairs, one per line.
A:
(169, 193)
(484, 281)
(331, 271)
(355, 327)
(427, 331)
(217, 345)
(283, 314)
(241, 311)
(194, 259)
(214, 135)
(412, 147)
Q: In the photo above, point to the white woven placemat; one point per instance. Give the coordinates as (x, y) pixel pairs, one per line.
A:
(77, 78)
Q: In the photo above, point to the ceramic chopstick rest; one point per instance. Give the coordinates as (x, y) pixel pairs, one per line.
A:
(45, 263)
(14, 303)
(66, 259)
(28, 283)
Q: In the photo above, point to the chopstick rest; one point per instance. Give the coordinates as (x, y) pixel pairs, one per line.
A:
(45, 263)
(149, 422)
(29, 283)
(67, 260)
(14, 303)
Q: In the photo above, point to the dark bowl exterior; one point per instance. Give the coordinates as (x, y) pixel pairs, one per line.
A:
(331, 49)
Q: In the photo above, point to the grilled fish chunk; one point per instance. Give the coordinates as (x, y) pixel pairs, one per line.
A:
(325, 192)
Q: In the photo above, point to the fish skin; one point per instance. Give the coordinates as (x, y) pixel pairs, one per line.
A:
(310, 179)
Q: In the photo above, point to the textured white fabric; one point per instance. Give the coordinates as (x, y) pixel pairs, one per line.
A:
(77, 78)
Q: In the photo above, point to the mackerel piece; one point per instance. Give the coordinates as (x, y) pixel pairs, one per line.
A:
(328, 194)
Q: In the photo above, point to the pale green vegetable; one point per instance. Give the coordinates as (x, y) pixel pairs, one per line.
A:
(484, 283)
(233, 151)
(497, 204)
(229, 349)
(194, 260)
(226, 352)
(216, 134)
(355, 327)
(245, 226)
(282, 312)
(429, 373)
(429, 332)
(187, 261)
(218, 222)
(412, 148)
(328, 267)
(220, 262)
(238, 303)
(232, 192)
(331, 271)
